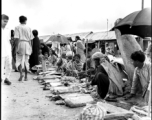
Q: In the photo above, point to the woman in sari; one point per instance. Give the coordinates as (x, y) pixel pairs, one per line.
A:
(35, 50)
(107, 78)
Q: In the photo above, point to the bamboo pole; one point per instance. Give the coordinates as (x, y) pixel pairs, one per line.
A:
(86, 54)
(142, 5)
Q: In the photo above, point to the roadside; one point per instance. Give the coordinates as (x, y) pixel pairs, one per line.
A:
(27, 101)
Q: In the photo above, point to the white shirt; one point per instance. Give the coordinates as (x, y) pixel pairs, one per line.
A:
(6, 45)
(23, 32)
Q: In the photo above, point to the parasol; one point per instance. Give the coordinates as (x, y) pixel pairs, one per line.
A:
(137, 23)
(58, 38)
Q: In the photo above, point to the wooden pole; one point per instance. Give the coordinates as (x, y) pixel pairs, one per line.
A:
(142, 5)
(107, 27)
(149, 101)
(86, 54)
(140, 39)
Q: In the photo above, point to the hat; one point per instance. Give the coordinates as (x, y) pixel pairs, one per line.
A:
(97, 55)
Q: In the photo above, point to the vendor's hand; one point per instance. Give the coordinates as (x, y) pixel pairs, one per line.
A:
(129, 96)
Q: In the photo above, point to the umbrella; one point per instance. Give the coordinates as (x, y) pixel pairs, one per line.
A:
(58, 38)
(137, 23)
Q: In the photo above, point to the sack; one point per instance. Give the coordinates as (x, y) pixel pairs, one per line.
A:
(93, 112)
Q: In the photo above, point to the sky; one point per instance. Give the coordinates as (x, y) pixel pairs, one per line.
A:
(69, 16)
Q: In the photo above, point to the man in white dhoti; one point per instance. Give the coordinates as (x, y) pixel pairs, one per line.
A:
(24, 36)
(6, 51)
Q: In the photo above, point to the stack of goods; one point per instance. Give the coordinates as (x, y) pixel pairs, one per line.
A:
(141, 113)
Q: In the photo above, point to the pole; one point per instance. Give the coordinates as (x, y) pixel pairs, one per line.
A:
(107, 26)
(140, 39)
(142, 5)
(86, 54)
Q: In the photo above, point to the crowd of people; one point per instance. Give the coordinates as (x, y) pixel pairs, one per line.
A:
(27, 51)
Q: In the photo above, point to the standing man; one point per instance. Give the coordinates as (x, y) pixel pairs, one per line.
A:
(23, 35)
(6, 51)
(80, 49)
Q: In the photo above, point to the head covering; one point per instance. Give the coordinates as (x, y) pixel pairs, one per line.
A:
(69, 53)
(97, 55)
(148, 51)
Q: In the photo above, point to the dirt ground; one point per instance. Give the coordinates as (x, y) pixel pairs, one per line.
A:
(27, 101)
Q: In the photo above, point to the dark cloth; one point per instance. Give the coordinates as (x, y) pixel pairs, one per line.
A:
(34, 58)
(14, 43)
(45, 49)
(101, 79)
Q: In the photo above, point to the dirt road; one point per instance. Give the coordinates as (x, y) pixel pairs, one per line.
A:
(27, 101)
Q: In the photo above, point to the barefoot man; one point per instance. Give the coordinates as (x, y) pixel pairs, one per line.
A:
(23, 35)
(6, 51)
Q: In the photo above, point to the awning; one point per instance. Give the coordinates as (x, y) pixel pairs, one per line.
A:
(110, 35)
(81, 35)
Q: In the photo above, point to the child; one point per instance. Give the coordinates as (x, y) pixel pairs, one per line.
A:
(62, 61)
(53, 57)
(77, 63)
(40, 56)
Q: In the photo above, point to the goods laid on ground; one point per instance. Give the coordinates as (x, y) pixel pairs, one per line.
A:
(63, 89)
(69, 78)
(72, 100)
(140, 111)
(104, 111)
(93, 112)
(73, 93)
(78, 101)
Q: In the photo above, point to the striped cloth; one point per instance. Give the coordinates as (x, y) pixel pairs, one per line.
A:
(93, 112)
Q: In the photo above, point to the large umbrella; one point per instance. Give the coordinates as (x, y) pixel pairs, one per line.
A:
(137, 23)
(58, 38)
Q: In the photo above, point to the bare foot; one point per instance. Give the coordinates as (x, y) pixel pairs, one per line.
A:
(21, 77)
(25, 79)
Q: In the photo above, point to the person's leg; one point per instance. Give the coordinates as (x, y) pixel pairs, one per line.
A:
(21, 72)
(103, 84)
(15, 63)
(19, 59)
(26, 64)
(8, 69)
(2, 69)
(25, 73)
